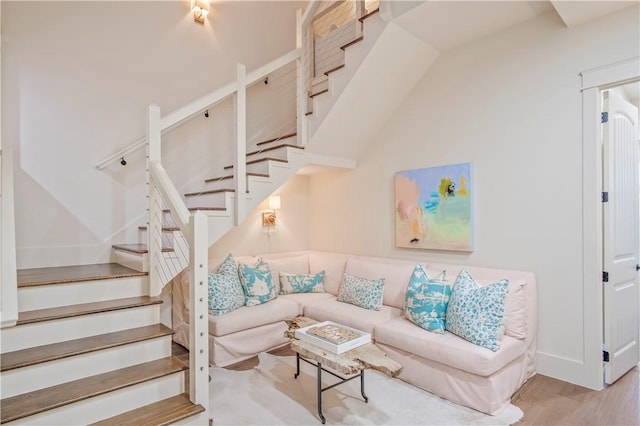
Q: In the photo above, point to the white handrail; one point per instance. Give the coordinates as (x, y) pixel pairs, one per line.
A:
(195, 107)
(8, 277)
(121, 154)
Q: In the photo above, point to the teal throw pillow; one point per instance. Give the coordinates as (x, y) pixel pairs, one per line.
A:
(426, 300)
(225, 291)
(361, 292)
(301, 283)
(477, 313)
(257, 283)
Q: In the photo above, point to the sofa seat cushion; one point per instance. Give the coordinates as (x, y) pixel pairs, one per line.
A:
(350, 315)
(306, 299)
(248, 317)
(448, 348)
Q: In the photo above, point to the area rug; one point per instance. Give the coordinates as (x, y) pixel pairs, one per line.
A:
(269, 395)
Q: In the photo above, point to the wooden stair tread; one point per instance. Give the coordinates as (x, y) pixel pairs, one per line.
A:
(164, 228)
(313, 95)
(30, 403)
(75, 273)
(159, 413)
(272, 148)
(333, 69)
(48, 314)
(290, 135)
(138, 248)
(193, 209)
(352, 42)
(211, 191)
(217, 179)
(54, 351)
(280, 160)
(368, 15)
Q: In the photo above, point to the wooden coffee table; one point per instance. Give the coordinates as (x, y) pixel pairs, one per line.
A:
(352, 362)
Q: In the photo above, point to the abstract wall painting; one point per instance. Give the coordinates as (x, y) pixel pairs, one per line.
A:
(433, 208)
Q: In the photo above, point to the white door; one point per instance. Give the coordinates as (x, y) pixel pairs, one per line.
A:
(620, 239)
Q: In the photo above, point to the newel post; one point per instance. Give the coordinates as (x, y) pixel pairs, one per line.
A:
(154, 223)
(198, 314)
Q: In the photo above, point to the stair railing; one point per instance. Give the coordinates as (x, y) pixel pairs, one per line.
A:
(162, 193)
(8, 278)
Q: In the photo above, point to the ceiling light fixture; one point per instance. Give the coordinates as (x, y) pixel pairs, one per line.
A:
(200, 10)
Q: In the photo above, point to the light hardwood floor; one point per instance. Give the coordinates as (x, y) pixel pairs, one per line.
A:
(548, 401)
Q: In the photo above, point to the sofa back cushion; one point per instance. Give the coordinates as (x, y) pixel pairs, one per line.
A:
(298, 264)
(333, 265)
(396, 277)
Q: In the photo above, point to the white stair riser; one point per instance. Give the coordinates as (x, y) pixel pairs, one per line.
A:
(111, 404)
(168, 220)
(198, 419)
(274, 153)
(46, 332)
(64, 294)
(207, 200)
(167, 238)
(136, 261)
(28, 379)
(293, 140)
(320, 85)
(218, 184)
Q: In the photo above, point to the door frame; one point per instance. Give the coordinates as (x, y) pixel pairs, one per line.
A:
(594, 81)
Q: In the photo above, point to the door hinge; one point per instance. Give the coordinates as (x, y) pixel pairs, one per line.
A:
(604, 117)
(605, 197)
(605, 277)
(605, 356)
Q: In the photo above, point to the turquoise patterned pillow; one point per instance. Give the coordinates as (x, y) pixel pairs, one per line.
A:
(225, 291)
(361, 292)
(477, 313)
(301, 283)
(257, 283)
(426, 301)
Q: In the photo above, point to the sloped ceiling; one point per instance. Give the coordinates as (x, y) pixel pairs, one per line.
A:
(446, 24)
(577, 12)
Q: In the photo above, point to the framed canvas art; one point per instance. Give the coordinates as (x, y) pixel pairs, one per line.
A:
(433, 208)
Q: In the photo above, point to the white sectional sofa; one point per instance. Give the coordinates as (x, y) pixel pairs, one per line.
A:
(443, 364)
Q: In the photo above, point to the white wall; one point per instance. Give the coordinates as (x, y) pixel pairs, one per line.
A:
(290, 234)
(76, 80)
(510, 104)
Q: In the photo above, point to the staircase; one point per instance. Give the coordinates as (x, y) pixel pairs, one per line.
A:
(89, 345)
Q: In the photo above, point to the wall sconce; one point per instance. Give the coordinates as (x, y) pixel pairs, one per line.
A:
(269, 218)
(200, 10)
